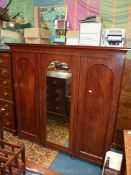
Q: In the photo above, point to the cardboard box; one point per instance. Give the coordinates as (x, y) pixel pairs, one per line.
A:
(45, 25)
(10, 34)
(72, 37)
(72, 34)
(36, 33)
(37, 41)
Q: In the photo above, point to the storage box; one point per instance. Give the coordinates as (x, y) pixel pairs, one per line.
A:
(112, 163)
(36, 33)
(37, 41)
(72, 41)
(72, 37)
(89, 39)
(88, 42)
(72, 34)
(90, 27)
(10, 34)
(90, 34)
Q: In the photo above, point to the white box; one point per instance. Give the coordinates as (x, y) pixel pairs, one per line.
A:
(89, 42)
(72, 41)
(90, 34)
(72, 37)
(115, 160)
(90, 28)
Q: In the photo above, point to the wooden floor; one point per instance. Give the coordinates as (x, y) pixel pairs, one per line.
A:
(127, 140)
(38, 167)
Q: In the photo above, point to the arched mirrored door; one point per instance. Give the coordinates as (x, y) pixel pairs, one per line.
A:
(58, 98)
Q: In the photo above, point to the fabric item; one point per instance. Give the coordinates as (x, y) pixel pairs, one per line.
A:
(24, 8)
(2, 3)
(47, 2)
(80, 9)
(117, 14)
(34, 152)
(68, 166)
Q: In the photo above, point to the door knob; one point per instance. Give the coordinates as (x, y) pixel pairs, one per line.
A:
(90, 91)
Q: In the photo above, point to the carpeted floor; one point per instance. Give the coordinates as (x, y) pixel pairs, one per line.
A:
(68, 166)
(58, 130)
(49, 158)
(34, 152)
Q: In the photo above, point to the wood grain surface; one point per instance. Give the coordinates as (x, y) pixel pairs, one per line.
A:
(127, 139)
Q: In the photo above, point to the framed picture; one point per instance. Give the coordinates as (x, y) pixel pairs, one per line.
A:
(52, 13)
(48, 16)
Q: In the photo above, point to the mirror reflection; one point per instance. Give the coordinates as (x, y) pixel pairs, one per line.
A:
(58, 97)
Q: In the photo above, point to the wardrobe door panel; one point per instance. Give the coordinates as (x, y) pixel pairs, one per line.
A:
(98, 91)
(27, 94)
(100, 78)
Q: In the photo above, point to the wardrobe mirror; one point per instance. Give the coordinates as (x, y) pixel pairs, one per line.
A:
(58, 98)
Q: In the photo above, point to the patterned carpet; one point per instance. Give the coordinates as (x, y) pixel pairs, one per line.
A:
(34, 152)
(58, 130)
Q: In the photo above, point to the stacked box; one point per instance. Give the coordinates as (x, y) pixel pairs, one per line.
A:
(7, 36)
(72, 37)
(10, 34)
(37, 41)
(90, 33)
(37, 36)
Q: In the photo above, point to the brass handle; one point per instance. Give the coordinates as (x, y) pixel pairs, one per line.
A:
(4, 71)
(1, 61)
(7, 114)
(5, 82)
(5, 93)
(90, 91)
